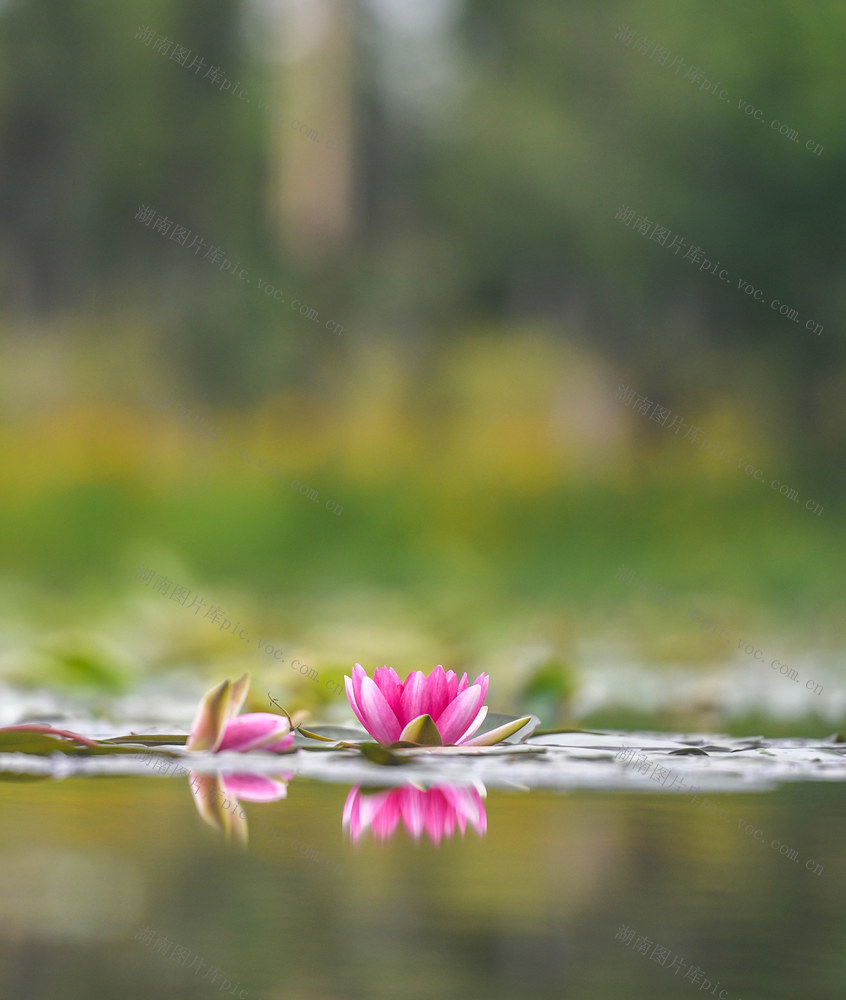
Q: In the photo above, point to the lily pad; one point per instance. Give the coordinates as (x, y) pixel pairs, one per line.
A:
(377, 754)
(44, 744)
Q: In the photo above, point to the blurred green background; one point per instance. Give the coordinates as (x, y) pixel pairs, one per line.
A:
(440, 181)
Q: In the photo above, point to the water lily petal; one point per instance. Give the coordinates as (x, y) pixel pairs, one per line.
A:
(237, 695)
(211, 718)
(474, 725)
(379, 719)
(459, 714)
(482, 680)
(498, 734)
(257, 731)
(416, 697)
(421, 731)
(389, 683)
(439, 696)
(349, 684)
(451, 683)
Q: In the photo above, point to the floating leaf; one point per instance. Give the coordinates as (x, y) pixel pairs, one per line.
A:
(148, 741)
(15, 776)
(43, 744)
(377, 754)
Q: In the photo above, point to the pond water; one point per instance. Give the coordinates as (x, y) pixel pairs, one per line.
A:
(116, 886)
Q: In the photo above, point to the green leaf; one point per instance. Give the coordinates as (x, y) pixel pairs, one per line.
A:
(422, 731)
(377, 754)
(148, 741)
(43, 744)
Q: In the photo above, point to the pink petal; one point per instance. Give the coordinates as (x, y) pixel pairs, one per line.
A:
(358, 675)
(237, 696)
(482, 680)
(451, 684)
(416, 697)
(439, 696)
(256, 730)
(351, 697)
(379, 720)
(388, 682)
(460, 714)
(474, 725)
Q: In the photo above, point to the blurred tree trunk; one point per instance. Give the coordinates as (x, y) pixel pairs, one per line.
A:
(311, 156)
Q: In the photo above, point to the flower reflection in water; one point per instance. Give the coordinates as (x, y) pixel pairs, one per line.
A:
(437, 811)
(217, 796)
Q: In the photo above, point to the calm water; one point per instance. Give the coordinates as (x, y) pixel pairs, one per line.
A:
(586, 895)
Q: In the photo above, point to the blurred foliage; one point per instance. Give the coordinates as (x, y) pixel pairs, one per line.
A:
(501, 187)
(465, 419)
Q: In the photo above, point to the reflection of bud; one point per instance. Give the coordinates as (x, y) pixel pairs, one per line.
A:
(216, 798)
(437, 810)
(209, 797)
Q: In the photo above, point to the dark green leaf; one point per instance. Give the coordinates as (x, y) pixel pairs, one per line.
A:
(377, 754)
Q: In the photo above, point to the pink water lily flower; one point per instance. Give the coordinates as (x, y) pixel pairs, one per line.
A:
(218, 727)
(436, 811)
(438, 710)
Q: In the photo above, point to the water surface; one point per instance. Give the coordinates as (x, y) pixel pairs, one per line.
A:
(581, 895)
